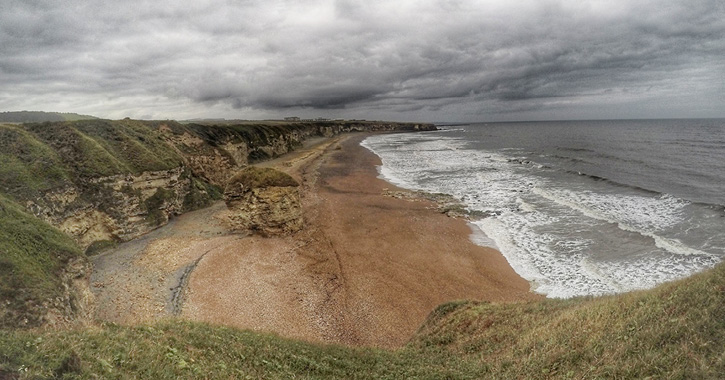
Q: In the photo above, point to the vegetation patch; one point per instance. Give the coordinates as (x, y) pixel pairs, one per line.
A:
(35, 158)
(27, 165)
(253, 177)
(200, 195)
(676, 331)
(179, 349)
(154, 213)
(32, 254)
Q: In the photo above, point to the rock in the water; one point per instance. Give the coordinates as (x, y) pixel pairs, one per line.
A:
(264, 200)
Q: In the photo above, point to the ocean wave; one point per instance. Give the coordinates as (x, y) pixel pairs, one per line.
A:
(570, 149)
(547, 232)
(641, 215)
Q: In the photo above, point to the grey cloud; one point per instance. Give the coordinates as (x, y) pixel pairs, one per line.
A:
(432, 59)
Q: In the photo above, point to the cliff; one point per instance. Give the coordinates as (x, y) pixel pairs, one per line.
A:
(40, 116)
(101, 182)
(264, 200)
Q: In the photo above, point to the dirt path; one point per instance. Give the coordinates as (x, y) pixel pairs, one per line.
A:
(365, 270)
(140, 280)
(144, 279)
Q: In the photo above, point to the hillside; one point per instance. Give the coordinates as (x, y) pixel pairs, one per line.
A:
(37, 266)
(676, 331)
(78, 186)
(40, 116)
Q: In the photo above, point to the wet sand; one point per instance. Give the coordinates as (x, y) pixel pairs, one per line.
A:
(366, 270)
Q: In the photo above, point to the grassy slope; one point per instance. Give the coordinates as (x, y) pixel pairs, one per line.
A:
(27, 165)
(102, 147)
(40, 116)
(38, 157)
(32, 254)
(675, 331)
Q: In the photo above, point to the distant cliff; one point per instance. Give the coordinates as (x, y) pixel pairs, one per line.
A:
(100, 182)
(40, 116)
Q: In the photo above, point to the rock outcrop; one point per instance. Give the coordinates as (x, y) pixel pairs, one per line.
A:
(120, 207)
(264, 201)
(76, 302)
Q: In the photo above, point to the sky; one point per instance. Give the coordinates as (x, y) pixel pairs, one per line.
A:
(424, 60)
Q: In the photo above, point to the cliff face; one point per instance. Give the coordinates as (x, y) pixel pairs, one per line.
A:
(106, 180)
(101, 181)
(264, 200)
(216, 152)
(119, 207)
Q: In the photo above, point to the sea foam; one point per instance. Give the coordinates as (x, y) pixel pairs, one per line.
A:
(558, 235)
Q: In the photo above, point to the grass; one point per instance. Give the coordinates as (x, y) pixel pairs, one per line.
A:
(93, 148)
(253, 177)
(32, 254)
(676, 331)
(27, 165)
(35, 158)
(177, 349)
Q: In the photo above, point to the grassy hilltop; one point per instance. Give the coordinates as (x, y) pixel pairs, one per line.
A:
(40, 116)
(676, 331)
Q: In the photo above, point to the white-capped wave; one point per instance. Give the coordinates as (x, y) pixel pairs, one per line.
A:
(643, 215)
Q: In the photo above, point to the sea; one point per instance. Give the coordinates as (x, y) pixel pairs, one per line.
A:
(578, 208)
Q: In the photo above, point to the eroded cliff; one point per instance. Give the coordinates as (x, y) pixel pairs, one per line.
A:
(265, 201)
(101, 182)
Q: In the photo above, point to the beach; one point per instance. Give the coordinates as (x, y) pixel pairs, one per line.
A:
(366, 269)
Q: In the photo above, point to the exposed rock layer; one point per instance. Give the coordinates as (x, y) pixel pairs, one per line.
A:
(124, 206)
(264, 200)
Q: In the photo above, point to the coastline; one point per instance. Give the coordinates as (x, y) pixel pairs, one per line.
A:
(368, 267)
(366, 270)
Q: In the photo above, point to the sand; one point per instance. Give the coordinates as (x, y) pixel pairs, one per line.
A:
(366, 270)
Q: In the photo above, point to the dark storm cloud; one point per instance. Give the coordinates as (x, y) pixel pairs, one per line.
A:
(401, 59)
